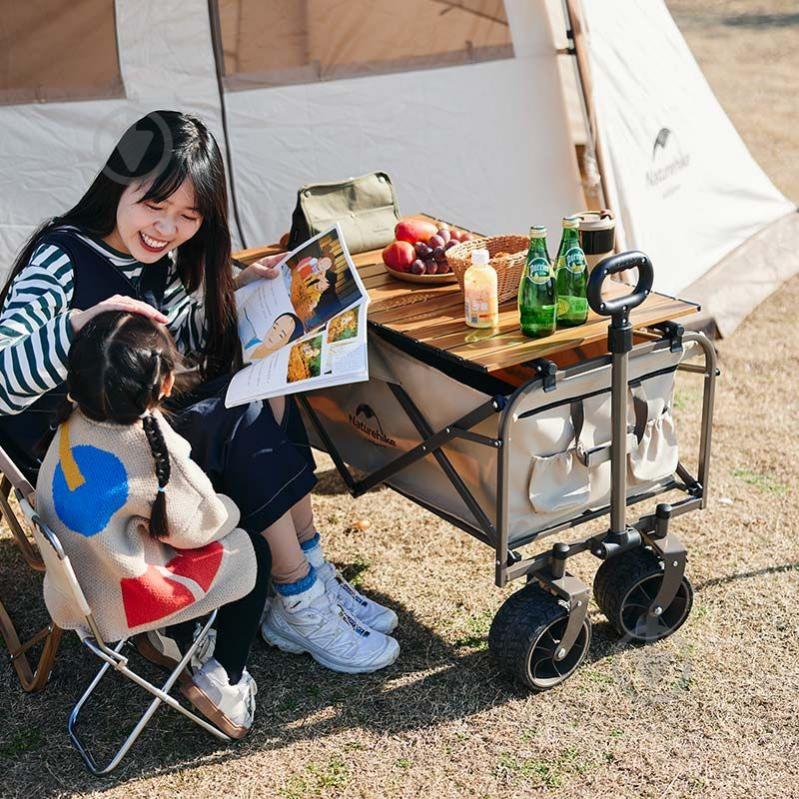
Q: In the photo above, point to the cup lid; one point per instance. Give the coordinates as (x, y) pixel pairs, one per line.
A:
(597, 220)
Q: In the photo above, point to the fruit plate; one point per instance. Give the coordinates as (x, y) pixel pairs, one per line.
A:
(447, 277)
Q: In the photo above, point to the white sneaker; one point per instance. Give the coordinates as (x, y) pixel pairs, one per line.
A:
(229, 707)
(312, 622)
(373, 615)
(165, 652)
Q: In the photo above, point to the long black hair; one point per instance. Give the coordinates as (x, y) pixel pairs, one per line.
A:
(117, 365)
(167, 147)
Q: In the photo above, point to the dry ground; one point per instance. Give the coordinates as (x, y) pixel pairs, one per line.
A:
(711, 712)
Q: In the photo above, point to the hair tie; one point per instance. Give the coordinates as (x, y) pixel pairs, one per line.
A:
(161, 489)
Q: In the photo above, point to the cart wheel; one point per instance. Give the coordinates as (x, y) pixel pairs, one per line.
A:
(525, 634)
(624, 588)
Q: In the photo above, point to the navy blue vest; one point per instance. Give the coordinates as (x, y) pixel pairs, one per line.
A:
(95, 279)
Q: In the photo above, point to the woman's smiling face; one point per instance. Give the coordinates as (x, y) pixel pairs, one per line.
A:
(148, 230)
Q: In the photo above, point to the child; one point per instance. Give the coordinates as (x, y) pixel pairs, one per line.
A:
(150, 236)
(151, 542)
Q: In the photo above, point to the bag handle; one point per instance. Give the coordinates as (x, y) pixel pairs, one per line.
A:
(577, 414)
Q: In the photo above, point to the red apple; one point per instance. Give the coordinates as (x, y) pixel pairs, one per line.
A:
(413, 230)
(399, 255)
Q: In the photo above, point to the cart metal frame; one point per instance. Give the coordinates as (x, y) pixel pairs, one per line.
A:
(548, 568)
(509, 565)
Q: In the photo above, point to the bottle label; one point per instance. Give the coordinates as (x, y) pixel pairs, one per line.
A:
(539, 271)
(480, 311)
(575, 260)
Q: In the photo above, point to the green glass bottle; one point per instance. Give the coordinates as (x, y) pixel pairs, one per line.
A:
(537, 297)
(571, 275)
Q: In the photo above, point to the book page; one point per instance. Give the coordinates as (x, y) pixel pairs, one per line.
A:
(333, 355)
(316, 282)
(305, 328)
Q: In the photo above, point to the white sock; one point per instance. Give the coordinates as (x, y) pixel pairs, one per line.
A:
(314, 552)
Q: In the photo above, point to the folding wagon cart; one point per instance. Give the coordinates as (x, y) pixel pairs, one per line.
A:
(515, 465)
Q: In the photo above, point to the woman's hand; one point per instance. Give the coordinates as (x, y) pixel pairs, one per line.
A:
(262, 268)
(116, 303)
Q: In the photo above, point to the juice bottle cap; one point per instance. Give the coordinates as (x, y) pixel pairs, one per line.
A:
(571, 221)
(480, 257)
(538, 232)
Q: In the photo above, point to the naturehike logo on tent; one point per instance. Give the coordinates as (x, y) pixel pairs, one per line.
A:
(667, 158)
(365, 420)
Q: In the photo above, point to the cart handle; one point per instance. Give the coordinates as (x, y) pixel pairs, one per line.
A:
(612, 266)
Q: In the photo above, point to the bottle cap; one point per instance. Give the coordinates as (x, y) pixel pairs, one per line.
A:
(571, 221)
(480, 257)
(538, 232)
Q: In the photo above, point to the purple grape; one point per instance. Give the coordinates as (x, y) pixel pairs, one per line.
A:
(431, 266)
(422, 250)
(438, 254)
(450, 244)
(418, 267)
(444, 235)
(435, 241)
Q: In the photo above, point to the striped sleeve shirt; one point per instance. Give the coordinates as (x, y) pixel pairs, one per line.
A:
(35, 331)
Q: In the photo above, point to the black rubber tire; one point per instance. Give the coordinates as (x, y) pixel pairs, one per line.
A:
(624, 584)
(528, 626)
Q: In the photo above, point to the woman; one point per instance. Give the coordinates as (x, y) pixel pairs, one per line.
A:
(151, 236)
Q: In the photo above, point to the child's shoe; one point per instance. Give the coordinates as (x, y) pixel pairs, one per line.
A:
(164, 651)
(372, 614)
(229, 707)
(312, 622)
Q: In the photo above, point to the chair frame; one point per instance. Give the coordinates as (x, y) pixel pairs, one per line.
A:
(31, 678)
(92, 639)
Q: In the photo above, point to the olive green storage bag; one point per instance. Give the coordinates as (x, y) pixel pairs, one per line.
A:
(365, 208)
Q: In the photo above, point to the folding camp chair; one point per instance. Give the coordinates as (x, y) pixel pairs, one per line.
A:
(59, 569)
(31, 679)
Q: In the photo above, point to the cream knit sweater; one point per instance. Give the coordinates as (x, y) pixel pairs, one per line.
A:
(95, 490)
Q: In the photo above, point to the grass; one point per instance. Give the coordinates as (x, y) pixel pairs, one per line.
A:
(764, 482)
(24, 740)
(536, 772)
(317, 780)
(707, 714)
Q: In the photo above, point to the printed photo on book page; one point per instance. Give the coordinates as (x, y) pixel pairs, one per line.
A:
(315, 282)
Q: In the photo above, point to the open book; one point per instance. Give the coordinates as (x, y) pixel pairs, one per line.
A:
(304, 329)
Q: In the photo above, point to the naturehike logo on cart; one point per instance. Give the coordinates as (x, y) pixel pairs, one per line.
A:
(365, 420)
(668, 158)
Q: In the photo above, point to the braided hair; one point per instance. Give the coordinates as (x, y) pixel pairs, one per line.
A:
(118, 363)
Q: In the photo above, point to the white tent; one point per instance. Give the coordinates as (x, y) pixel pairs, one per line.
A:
(470, 105)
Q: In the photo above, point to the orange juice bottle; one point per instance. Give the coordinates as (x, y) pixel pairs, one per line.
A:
(481, 303)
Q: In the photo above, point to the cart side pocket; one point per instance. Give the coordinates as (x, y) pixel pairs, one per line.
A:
(654, 455)
(560, 482)
(577, 476)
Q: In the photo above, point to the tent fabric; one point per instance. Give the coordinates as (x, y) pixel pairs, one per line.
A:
(488, 144)
(485, 145)
(748, 275)
(33, 31)
(274, 43)
(687, 191)
(51, 152)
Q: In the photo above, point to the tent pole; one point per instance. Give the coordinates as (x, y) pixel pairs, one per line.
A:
(574, 19)
(216, 44)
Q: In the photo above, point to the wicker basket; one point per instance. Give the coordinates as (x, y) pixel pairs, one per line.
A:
(509, 267)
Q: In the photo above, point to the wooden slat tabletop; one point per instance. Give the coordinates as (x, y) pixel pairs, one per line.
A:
(433, 315)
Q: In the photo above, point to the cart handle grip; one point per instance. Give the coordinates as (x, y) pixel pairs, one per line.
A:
(612, 266)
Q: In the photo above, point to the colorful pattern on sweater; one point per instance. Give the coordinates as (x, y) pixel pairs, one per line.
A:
(89, 486)
(164, 590)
